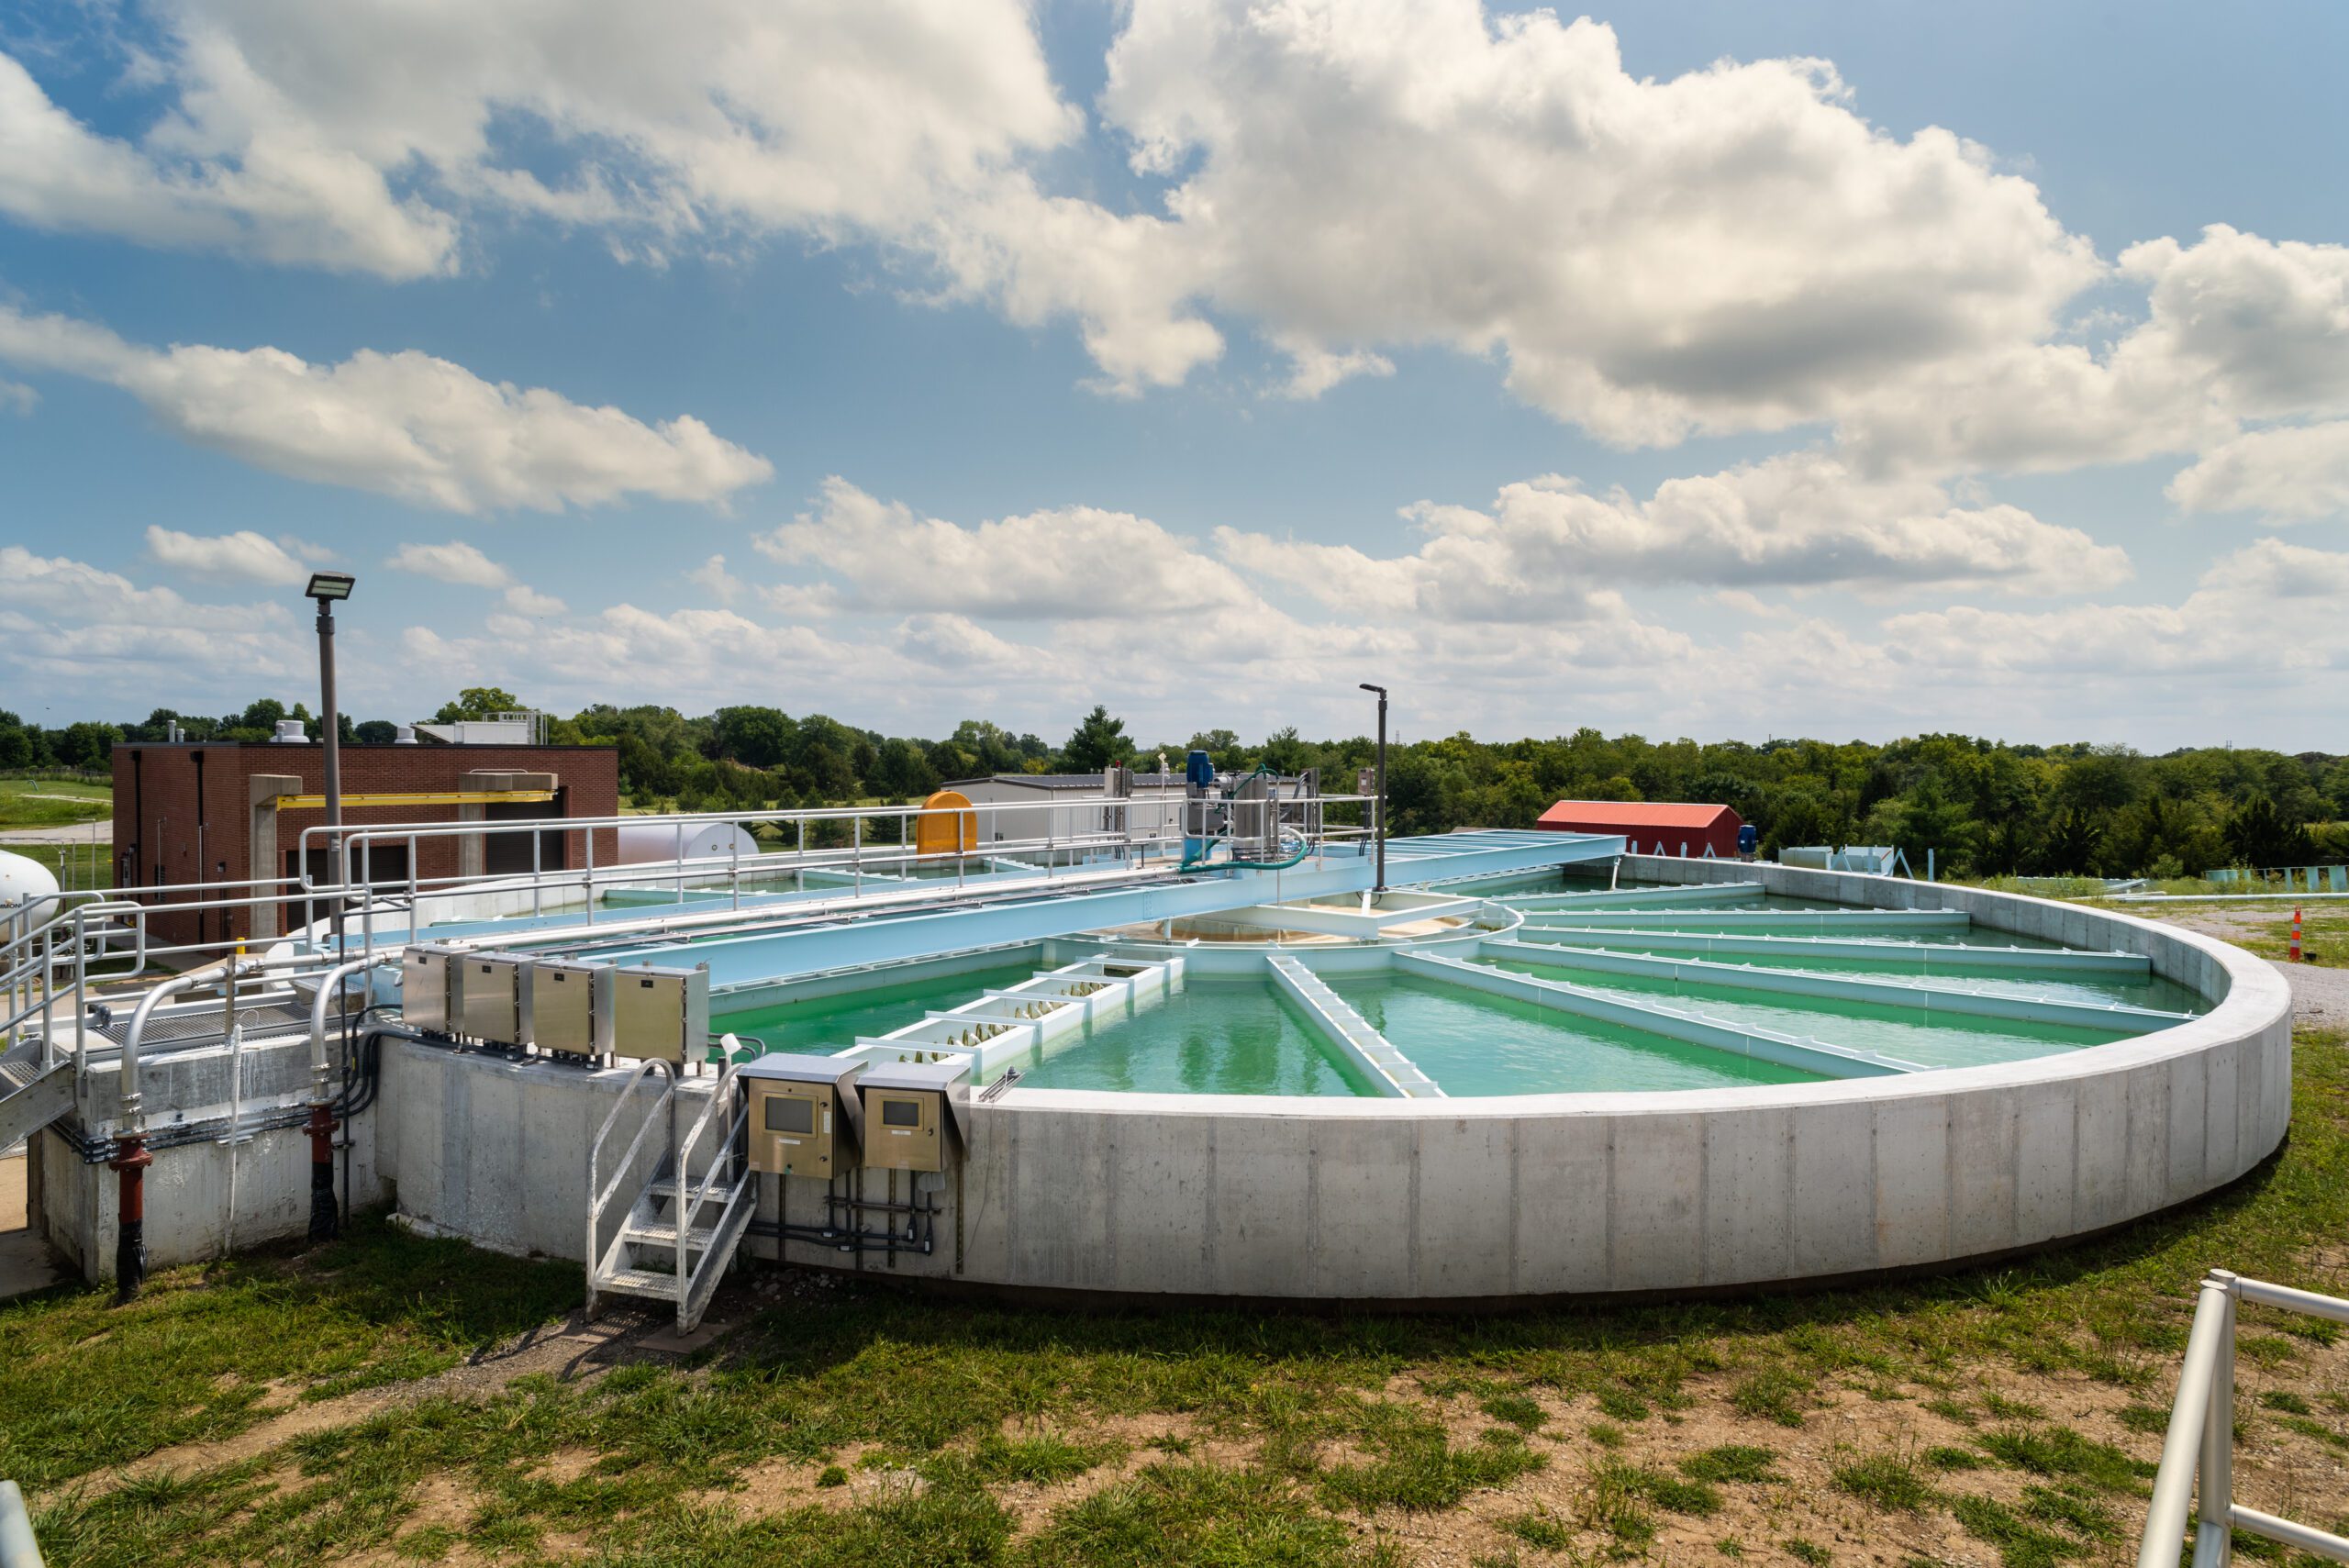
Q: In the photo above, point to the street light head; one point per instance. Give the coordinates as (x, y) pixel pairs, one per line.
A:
(1368, 687)
(330, 585)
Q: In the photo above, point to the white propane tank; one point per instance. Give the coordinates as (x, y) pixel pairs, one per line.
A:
(21, 879)
(655, 840)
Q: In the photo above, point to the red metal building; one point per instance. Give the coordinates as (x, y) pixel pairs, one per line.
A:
(1651, 827)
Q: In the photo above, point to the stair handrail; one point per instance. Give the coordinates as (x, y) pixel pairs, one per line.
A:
(34, 973)
(723, 1094)
(2200, 1438)
(599, 1196)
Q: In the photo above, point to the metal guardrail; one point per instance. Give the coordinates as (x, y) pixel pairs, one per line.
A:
(2201, 1440)
(17, 1548)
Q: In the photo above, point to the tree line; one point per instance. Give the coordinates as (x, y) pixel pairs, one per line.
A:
(1985, 807)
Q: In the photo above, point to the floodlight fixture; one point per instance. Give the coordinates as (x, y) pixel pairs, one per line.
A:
(326, 586)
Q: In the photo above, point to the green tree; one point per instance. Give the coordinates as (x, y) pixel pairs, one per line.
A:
(478, 702)
(1098, 742)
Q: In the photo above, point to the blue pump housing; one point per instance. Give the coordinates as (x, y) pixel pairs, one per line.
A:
(1199, 770)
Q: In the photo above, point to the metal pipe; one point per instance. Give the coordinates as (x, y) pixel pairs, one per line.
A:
(2307, 1538)
(325, 1213)
(1378, 810)
(17, 1548)
(2214, 1520)
(132, 1157)
(2174, 1482)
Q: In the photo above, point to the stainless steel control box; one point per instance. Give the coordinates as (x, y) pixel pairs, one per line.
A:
(661, 1012)
(910, 1109)
(804, 1114)
(494, 988)
(571, 1006)
(425, 987)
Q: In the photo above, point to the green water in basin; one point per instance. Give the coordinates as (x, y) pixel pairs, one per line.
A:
(820, 1026)
(1214, 1037)
(1472, 1043)
(1945, 1040)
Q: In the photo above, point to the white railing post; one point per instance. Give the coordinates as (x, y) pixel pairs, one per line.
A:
(2174, 1482)
(2214, 1517)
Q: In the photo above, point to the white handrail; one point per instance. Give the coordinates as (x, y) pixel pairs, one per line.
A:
(598, 1197)
(2201, 1437)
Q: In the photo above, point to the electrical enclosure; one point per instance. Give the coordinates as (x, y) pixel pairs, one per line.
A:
(908, 1107)
(661, 1012)
(424, 985)
(804, 1114)
(570, 1007)
(496, 991)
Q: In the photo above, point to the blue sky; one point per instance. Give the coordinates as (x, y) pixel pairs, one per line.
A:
(911, 363)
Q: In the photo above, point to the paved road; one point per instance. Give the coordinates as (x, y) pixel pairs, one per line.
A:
(72, 833)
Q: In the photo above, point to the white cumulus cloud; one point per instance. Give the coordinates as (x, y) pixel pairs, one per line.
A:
(404, 423)
(243, 555)
(455, 561)
(2289, 473)
(1069, 561)
(1546, 546)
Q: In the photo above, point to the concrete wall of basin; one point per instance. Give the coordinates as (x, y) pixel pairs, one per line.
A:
(1483, 1199)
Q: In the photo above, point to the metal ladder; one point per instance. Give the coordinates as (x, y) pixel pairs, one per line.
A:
(683, 1228)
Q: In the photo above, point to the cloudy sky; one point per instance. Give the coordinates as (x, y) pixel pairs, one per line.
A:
(1704, 369)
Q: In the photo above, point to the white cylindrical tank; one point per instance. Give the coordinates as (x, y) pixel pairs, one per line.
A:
(21, 879)
(657, 840)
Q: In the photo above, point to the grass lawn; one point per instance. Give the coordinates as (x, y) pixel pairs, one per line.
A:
(51, 802)
(2003, 1416)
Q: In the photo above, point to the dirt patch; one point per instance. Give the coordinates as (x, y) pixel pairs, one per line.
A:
(576, 1351)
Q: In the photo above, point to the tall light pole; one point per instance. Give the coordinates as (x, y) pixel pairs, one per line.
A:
(1378, 816)
(327, 587)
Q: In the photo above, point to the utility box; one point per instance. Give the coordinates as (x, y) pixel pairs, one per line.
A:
(495, 992)
(804, 1114)
(424, 985)
(570, 1007)
(661, 1013)
(909, 1105)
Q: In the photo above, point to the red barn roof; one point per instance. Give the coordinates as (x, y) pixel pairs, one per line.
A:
(1655, 826)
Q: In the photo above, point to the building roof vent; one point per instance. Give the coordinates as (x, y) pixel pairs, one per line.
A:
(291, 733)
(405, 736)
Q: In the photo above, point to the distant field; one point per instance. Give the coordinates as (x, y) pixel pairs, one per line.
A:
(51, 802)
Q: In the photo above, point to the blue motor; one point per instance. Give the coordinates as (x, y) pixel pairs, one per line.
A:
(1200, 814)
(1749, 841)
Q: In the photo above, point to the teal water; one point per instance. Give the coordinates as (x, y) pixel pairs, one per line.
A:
(1214, 1037)
(822, 1025)
(1471, 1044)
(2148, 992)
(1955, 1041)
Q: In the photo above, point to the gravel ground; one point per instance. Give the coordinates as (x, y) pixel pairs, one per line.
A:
(2320, 991)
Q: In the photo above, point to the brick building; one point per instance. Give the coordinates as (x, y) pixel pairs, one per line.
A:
(210, 812)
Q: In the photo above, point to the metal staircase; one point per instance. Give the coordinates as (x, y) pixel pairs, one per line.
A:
(35, 1088)
(685, 1222)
